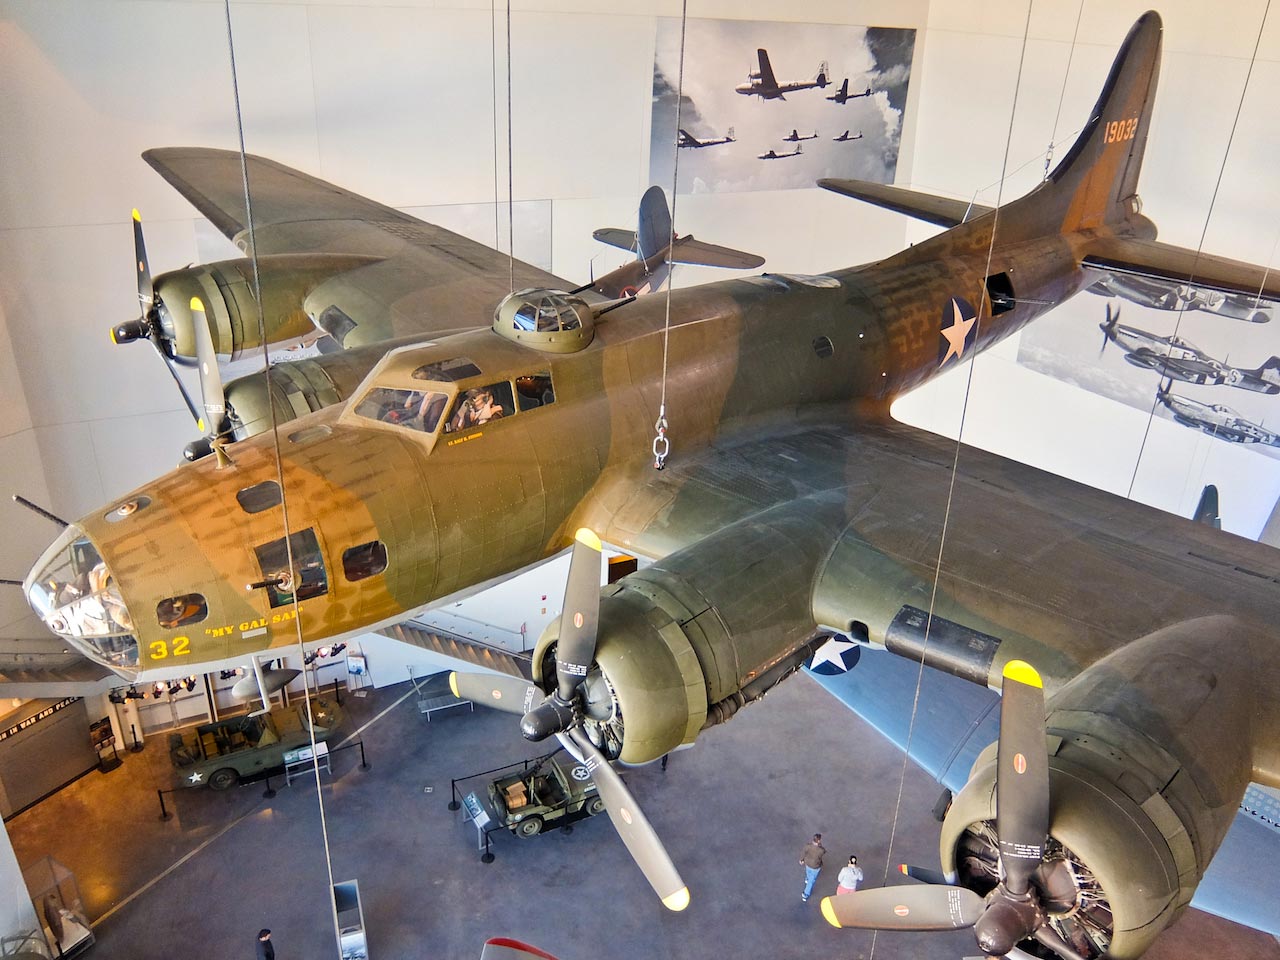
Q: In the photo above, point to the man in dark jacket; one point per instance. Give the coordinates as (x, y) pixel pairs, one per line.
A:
(266, 951)
(811, 856)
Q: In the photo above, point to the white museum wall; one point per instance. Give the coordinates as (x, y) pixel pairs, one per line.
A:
(960, 146)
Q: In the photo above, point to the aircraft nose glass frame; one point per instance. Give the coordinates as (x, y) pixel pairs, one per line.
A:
(75, 594)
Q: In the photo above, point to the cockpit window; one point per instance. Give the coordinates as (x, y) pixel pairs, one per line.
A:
(447, 371)
(480, 405)
(307, 576)
(534, 390)
(413, 409)
(76, 596)
(180, 611)
(259, 497)
(547, 313)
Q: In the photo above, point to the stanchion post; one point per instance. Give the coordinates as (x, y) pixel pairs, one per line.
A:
(164, 813)
(453, 793)
(268, 793)
(137, 745)
(487, 856)
(364, 765)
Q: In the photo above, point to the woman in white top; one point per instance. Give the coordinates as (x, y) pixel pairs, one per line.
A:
(849, 878)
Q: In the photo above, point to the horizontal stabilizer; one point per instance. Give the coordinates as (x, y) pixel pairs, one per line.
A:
(1164, 261)
(689, 250)
(942, 211)
(617, 237)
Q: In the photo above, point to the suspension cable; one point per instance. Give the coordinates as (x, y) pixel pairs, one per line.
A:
(275, 434)
(1062, 93)
(661, 444)
(511, 207)
(1204, 230)
(955, 466)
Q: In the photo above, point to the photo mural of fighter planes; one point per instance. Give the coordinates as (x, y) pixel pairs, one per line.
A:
(791, 507)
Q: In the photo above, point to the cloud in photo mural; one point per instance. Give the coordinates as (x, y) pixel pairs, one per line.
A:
(719, 54)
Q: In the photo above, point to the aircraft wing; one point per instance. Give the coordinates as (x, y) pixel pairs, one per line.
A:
(1154, 260)
(942, 211)
(616, 237)
(1033, 566)
(426, 279)
(767, 80)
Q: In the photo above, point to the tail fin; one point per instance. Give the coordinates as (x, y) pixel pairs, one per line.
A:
(824, 74)
(1269, 375)
(1097, 181)
(653, 232)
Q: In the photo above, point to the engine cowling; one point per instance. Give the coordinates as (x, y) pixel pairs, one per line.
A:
(226, 290)
(685, 642)
(1148, 759)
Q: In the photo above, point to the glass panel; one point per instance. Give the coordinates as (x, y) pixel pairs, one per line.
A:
(308, 572)
(259, 497)
(534, 390)
(179, 611)
(364, 561)
(414, 409)
(480, 405)
(447, 371)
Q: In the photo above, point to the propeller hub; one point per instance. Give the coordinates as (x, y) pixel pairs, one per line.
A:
(1005, 922)
(548, 718)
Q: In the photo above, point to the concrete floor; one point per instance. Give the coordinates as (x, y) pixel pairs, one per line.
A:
(734, 812)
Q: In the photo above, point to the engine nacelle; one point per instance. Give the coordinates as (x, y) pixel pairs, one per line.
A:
(684, 643)
(226, 290)
(1148, 759)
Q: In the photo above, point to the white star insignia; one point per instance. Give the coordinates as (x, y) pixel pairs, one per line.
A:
(956, 333)
(832, 652)
(196, 777)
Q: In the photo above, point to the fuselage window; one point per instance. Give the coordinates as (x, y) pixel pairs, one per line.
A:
(364, 561)
(413, 409)
(447, 371)
(259, 497)
(307, 575)
(479, 405)
(534, 390)
(180, 611)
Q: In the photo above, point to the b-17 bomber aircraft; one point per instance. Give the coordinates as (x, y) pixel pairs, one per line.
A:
(1177, 359)
(1136, 649)
(795, 136)
(689, 141)
(1215, 419)
(843, 95)
(762, 83)
(772, 154)
(844, 137)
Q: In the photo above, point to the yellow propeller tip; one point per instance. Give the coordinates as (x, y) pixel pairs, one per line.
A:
(1022, 672)
(136, 215)
(200, 424)
(587, 537)
(113, 336)
(829, 912)
(196, 304)
(680, 899)
(453, 683)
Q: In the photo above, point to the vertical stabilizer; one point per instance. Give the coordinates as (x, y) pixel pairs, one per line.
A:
(1097, 181)
(653, 233)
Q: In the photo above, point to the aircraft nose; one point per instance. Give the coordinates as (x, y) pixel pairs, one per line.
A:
(72, 590)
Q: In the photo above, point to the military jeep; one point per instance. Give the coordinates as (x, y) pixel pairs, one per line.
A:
(554, 792)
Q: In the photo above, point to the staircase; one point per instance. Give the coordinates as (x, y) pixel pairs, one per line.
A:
(461, 648)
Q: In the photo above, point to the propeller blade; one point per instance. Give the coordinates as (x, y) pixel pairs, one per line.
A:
(182, 388)
(923, 874)
(499, 691)
(629, 820)
(146, 289)
(1022, 776)
(504, 948)
(908, 907)
(211, 395)
(576, 648)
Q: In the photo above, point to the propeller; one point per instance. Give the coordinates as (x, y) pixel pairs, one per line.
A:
(1108, 328)
(504, 948)
(147, 326)
(1015, 909)
(562, 712)
(213, 400)
(923, 874)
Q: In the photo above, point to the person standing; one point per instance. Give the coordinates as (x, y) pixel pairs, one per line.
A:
(266, 951)
(811, 856)
(849, 877)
